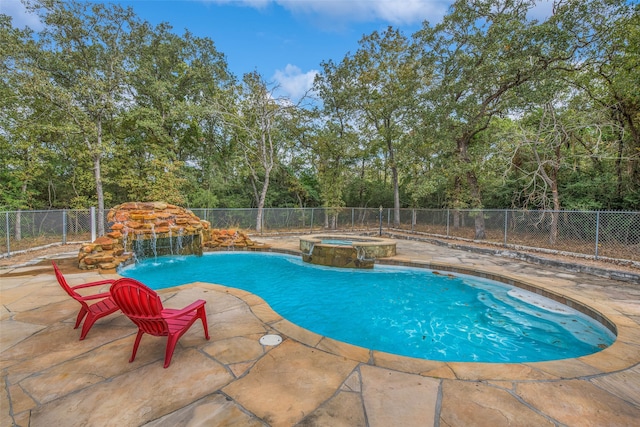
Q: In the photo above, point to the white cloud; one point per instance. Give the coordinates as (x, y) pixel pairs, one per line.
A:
(258, 4)
(412, 11)
(542, 10)
(20, 16)
(326, 12)
(395, 12)
(293, 82)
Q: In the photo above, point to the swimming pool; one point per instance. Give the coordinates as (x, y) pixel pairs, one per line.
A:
(406, 311)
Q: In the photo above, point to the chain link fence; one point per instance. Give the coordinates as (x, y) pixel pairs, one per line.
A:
(24, 230)
(595, 234)
(294, 220)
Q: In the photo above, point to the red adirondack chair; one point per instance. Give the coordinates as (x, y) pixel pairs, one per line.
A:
(94, 311)
(143, 306)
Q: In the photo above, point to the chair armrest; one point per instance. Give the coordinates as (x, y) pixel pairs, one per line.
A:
(96, 296)
(90, 284)
(171, 313)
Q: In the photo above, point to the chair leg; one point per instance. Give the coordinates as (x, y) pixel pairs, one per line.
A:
(136, 344)
(81, 314)
(88, 323)
(172, 340)
(203, 316)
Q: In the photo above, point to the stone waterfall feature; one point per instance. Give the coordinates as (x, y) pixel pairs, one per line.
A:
(143, 230)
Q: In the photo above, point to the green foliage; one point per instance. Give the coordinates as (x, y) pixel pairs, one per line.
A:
(369, 194)
(486, 109)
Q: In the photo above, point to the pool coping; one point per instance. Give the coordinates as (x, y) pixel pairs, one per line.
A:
(622, 354)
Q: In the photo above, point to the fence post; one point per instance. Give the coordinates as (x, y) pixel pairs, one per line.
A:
(311, 229)
(380, 231)
(353, 219)
(8, 235)
(506, 215)
(597, 231)
(92, 211)
(413, 219)
(64, 227)
(447, 222)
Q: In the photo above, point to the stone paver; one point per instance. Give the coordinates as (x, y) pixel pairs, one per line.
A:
(396, 398)
(625, 384)
(16, 333)
(52, 378)
(135, 399)
(467, 403)
(214, 410)
(235, 350)
(343, 410)
(290, 382)
(577, 402)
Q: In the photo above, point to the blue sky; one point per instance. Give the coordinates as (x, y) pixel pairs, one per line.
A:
(284, 40)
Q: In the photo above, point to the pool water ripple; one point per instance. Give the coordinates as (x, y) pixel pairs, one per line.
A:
(401, 310)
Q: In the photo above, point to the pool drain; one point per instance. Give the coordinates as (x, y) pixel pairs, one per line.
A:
(271, 340)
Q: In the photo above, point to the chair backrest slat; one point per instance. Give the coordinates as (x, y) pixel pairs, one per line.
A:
(68, 289)
(141, 304)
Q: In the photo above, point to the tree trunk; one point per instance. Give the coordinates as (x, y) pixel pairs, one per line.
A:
(553, 232)
(553, 227)
(263, 197)
(474, 187)
(396, 188)
(477, 204)
(362, 176)
(259, 219)
(634, 164)
(98, 177)
(17, 233)
(99, 194)
(619, 179)
(396, 197)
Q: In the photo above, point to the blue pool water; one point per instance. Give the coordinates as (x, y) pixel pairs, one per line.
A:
(406, 311)
(339, 242)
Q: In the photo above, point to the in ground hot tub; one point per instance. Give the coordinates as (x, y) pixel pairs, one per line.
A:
(345, 251)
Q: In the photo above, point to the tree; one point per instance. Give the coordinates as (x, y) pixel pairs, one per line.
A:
(478, 54)
(260, 120)
(334, 141)
(101, 107)
(84, 72)
(490, 59)
(171, 128)
(610, 79)
(544, 144)
(209, 150)
(19, 153)
(386, 79)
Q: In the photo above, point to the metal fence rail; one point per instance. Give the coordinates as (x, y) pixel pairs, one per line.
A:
(591, 233)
